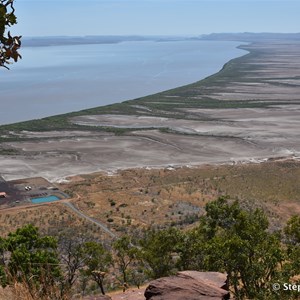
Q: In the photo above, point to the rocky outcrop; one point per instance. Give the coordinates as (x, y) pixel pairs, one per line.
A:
(189, 285)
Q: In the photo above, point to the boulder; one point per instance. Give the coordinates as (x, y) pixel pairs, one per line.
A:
(216, 278)
(189, 285)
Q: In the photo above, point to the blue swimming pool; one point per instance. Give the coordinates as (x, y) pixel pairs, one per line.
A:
(44, 199)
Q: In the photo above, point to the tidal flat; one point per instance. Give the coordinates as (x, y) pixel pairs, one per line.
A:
(246, 113)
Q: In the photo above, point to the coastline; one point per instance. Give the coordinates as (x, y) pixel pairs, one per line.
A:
(53, 81)
(246, 112)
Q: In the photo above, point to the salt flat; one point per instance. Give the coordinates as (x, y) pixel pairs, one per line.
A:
(256, 116)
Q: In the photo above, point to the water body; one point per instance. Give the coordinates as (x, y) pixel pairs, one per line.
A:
(58, 79)
(50, 198)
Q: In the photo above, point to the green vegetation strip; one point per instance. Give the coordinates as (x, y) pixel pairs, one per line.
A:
(165, 104)
(259, 262)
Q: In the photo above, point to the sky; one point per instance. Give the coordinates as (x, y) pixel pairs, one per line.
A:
(154, 17)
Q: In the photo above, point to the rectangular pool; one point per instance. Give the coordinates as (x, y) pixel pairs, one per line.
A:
(44, 199)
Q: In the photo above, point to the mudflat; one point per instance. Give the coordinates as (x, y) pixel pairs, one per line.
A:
(248, 112)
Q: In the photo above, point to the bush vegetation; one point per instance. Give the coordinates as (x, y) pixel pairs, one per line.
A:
(227, 239)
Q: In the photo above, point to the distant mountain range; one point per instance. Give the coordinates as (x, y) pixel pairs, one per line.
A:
(251, 37)
(101, 39)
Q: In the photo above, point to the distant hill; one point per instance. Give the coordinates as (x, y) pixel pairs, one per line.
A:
(251, 37)
(101, 39)
(112, 39)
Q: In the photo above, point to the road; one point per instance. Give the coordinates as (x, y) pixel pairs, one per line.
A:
(81, 214)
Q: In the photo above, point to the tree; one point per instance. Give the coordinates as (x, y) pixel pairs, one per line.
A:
(72, 257)
(191, 250)
(125, 254)
(137, 274)
(97, 261)
(158, 249)
(9, 45)
(292, 231)
(33, 258)
(2, 250)
(292, 242)
(238, 242)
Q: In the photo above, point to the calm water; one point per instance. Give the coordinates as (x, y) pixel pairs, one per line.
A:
(44, 199)
(58, 79)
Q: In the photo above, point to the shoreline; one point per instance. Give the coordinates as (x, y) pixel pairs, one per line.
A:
(145, 86)
(249, 110)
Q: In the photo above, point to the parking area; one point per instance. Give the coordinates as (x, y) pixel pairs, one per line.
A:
(28, 191)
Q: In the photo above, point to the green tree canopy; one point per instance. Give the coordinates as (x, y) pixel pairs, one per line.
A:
(32, 258)
(125, 255)
(158, 251)
(292, 231)
(9, 44)
(97, 260)
(292, 243)
(239, 243)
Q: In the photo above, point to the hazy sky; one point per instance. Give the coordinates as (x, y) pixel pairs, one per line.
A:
(154, 17)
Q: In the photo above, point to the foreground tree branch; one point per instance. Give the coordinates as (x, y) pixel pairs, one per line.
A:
(9, 45)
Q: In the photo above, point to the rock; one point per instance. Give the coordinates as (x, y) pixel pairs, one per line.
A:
(189, 285)
(216, 278)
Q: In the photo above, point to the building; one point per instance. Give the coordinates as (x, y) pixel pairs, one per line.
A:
(3, 195)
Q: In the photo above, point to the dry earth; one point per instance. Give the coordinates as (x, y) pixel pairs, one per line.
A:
(134, 199)
(137, 198)
(130, 294)
(235, 135)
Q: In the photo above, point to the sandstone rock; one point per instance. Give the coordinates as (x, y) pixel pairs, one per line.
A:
(218, 279)
(189, 285)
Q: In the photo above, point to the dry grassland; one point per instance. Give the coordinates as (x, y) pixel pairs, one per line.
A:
(135, 199)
